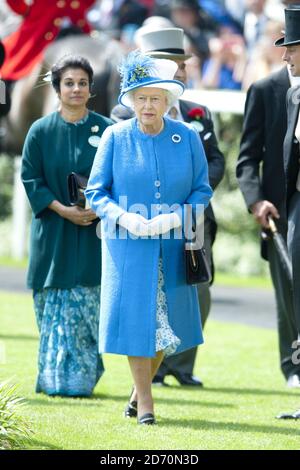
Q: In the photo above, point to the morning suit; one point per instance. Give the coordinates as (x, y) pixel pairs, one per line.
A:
(260, 174)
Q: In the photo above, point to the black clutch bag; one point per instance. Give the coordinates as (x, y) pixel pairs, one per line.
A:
(197, 267)
(76, 187)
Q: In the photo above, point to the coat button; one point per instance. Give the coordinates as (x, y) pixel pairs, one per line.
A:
(75, 4)
(57, 22)
(49, 36)
(157, 183)
(61, 4)
(157, 195)
(207, 136)
(81, 23)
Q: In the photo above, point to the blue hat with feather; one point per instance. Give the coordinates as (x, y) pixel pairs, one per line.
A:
(139, 70)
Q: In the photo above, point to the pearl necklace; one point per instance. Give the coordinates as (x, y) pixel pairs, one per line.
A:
(156, 133)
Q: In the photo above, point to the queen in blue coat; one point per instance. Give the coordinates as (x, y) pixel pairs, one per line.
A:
(145, 171)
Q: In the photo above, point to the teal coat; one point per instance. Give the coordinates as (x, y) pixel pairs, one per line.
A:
(169, 168)
(62, 255)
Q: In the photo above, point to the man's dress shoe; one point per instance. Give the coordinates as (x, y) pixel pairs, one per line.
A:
(293, 381)
(295, 415)
(159, 381)
(187, 379)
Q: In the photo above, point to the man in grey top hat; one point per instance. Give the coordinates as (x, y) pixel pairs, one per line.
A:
(167, 43)
(291, 149)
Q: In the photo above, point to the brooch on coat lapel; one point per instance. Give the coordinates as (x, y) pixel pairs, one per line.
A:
(94, 140)
(176, 138)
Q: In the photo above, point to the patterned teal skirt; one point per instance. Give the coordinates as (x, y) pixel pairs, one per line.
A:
(68, 320)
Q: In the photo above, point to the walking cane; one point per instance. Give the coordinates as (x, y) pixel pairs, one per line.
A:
(281, 248)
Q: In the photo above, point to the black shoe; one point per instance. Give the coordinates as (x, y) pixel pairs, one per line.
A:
(131, 410)
(131, 407)
(187, 379)
(158, 381)
(147, 418)
(295, 415)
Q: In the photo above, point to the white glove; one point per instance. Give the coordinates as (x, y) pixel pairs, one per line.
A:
(134, 223)
(163, 223)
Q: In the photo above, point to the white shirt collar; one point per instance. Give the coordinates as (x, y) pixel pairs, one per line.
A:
(177, 106)
(294, 81)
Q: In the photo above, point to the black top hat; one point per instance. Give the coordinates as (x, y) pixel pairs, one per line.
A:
(292, 29)
(192, 4)
(2, 53)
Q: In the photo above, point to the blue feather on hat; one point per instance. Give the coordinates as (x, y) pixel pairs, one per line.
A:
(134, 68)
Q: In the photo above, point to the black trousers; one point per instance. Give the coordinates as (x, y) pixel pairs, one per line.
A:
(286, 322)
(293, 240)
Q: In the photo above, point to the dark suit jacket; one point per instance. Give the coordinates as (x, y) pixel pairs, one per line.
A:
(215, 158)
(291, 144)
(260, 169)
(4, 108)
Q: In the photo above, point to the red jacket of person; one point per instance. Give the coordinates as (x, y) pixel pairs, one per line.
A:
(41, 24)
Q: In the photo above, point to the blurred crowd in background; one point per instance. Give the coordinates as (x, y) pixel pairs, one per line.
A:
(231, 40)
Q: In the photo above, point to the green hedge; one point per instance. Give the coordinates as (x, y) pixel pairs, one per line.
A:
(237, 248)
(6, 186)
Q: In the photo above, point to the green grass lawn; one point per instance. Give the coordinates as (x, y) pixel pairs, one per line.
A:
(221, 278)
(243, 392)
(231, 280)
(9, 262)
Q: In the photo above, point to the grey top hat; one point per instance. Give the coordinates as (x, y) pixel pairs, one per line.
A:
(2, 53)
(157, 22)
(292, 29)
(166, 43)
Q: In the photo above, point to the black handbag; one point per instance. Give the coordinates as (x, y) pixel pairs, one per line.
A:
(196, 264)
(76, 187)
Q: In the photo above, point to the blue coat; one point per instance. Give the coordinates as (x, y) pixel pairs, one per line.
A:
(149, 170)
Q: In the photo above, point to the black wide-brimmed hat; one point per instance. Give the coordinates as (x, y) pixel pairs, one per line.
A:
(2, 53)
(292, 29)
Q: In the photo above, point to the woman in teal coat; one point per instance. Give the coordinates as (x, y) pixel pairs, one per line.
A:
(65, 252)
(145, 170)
